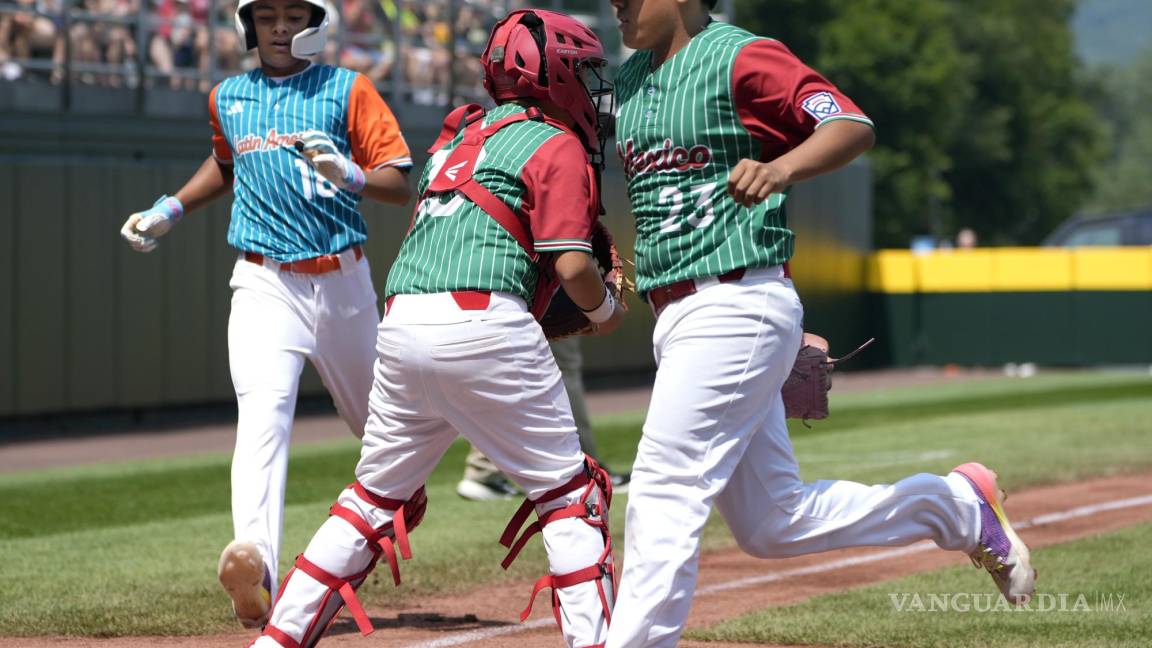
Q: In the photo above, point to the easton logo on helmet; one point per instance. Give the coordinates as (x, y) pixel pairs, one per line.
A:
(665, 159)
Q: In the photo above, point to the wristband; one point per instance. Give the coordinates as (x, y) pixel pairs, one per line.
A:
(355, 179)
(604, 311)
(171, 205)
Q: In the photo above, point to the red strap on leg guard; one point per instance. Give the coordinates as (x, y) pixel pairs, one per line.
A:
(399, 519)
(342, 586)
(280, 637)
(357, 610)
(594, 572)
(509, 536)
(390, 557)
(570, 511)
(517, 521)
(377, 541)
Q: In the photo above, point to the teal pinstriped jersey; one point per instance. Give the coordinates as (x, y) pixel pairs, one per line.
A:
(455, 245)
(679, 136)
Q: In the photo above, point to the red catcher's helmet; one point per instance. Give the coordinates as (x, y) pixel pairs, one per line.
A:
(538, 54)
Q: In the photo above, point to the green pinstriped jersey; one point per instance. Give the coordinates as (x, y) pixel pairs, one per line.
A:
(454, 244)
(679, 134)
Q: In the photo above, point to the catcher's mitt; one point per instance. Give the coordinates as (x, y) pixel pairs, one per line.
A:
(563, 317)
(805, 392)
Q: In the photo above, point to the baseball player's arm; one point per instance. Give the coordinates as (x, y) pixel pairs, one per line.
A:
(211, 180)
(829, 148)
(378, 146)
(561, 207)
(388, 185)
(580, 277)
(142, 228)
(807, 125)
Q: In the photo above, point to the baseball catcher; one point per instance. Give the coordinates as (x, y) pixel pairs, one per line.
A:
(507, 211)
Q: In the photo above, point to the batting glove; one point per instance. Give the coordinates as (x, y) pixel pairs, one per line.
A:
(321, 153)
(143, 228)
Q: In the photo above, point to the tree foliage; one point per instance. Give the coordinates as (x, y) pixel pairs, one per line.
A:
(976, 104)
(1121, 96)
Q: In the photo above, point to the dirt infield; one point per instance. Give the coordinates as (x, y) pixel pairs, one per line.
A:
(731, 583)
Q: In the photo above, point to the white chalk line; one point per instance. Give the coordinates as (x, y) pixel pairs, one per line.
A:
(1040, 520)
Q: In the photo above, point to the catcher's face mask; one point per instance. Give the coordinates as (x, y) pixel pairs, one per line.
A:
(600, 94)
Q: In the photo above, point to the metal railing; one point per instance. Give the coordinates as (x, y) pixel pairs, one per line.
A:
(415, 51)
(418, 51)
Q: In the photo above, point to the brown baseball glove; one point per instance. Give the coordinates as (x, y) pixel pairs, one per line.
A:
(563, 317)
(805, 392)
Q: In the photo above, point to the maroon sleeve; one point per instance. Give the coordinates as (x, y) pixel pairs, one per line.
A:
(780, 101)
(559, 195)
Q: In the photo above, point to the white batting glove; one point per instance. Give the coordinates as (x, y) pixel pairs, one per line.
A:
(321, 153)
(143, 228)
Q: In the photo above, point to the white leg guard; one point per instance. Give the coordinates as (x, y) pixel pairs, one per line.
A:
(363, 527)
(573, 520)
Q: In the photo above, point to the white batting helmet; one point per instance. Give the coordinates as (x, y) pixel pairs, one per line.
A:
(307, 43)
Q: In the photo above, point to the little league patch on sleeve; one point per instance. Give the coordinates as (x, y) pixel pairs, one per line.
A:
(821, 105)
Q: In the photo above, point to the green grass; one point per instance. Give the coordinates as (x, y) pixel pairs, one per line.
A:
(1109, 572)
(130, 548)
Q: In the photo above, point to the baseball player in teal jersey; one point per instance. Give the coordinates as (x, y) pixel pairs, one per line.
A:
(298, 145)
(459, 348)
(714, 124)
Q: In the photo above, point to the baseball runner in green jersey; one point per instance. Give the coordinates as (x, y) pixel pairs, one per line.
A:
(508, 202)
(713, 126)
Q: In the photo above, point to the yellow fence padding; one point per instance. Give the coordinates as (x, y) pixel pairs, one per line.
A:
(959, 271)
(1112, 269)
(1011, 270)
(891, 271)
(1032, 269)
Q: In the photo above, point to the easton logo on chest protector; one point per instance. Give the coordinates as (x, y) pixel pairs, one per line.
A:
(451, 171)
(666, 159)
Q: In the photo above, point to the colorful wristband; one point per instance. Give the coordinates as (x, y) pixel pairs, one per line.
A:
(356, 179)
(172, 206)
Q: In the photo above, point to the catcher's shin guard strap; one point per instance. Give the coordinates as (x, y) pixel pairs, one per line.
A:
(579, 509)
(407, 513)
(377, 539)
(280, 637)
(343, 587)
(597, 573)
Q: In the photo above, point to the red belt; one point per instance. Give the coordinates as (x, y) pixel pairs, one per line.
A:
(465, 299)
(664, 295)
(316, 265)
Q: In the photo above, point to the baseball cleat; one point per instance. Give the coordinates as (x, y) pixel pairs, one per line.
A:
(620, 482)
(488, 491)
(244, 577)
(1000, 551)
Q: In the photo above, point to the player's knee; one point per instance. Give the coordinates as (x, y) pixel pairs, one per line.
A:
(759, 549)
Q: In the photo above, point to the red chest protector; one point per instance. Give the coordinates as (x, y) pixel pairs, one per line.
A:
(456, 175)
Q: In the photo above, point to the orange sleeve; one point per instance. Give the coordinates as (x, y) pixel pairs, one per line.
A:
(373, 130)
(220, 149)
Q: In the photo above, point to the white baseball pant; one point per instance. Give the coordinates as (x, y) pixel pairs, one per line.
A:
(278, 320)
(490, 376)
(715, 433)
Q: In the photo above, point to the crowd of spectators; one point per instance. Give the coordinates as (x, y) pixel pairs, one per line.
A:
(427, 49)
